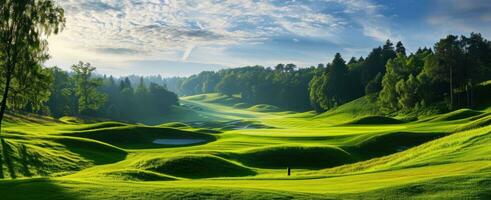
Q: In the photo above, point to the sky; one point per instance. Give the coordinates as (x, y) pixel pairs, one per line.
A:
(185, 37)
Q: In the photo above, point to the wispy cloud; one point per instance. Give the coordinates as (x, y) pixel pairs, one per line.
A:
(459, 16)
(172, 29)
(187, 52)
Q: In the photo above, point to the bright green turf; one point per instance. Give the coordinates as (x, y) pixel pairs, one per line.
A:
(349, 152)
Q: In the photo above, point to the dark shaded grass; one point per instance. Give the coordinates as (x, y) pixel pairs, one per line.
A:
(196, 166)
(305, 157)
(47, 189)
(139, 137)
(138, 175)
(389, 143)
(474, 186)
(99, 153)
(38, 188)
(457, 115)
(374, 120)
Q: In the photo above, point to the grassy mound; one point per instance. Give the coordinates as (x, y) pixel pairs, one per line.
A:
(196, 166)
(34, 156)
(28, 118)
(215, 98)
(464, 146)
(228, 125)
(375, 120)
(174, 125)
(458, 114)
(308, 157)
(100, 125)
(241, 105)
(138, 175)
(385, 144)
(363, 106)
(482, 122)
(208, 131)
(138, 137)
(49, 189)
(264, 108)
(95, 151)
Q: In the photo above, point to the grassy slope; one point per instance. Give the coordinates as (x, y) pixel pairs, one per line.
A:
(247, 153)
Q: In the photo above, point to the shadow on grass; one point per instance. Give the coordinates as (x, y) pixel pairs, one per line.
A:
(7, 158)
(140, 137)
(99, 153)
(473, 186)
(386, 144)
(40, 188)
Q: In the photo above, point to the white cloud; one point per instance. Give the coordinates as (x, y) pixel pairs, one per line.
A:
(461, 17)
(367, 15)
(187, 52)
(116, 31)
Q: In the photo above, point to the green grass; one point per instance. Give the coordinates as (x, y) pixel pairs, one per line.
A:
(136, 136)
(309, 157)
(195, 166)
(375, 120)
(264, 108)
(351, 152)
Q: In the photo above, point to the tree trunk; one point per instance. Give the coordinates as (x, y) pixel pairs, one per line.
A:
(451, 89)
(3, 104)
(3, 107)
(1, 162)
(467, 88)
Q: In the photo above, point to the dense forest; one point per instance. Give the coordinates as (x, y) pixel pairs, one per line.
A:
(444, 76)
(83, 93)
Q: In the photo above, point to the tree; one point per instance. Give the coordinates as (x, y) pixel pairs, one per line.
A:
(279, 67)
(29, 91)
(388, 51)
(89, 99)
(388, 95)
(161, 98)
(24, 28)
(60, 101)
(290, 67)
(374, 85)
(125, 84)
(449, 56)
(316, 91)
(407, 92)
(477, 62)
(227, 85)
(400, 49)
(337, 82)
(330, 88)
(142, 99)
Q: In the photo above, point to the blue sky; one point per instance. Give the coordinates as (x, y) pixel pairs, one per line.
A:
(184, 37)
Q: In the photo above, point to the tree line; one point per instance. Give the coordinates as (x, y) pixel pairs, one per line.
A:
(81, 92)
(284, 85)
(445, 75)
(398, 81)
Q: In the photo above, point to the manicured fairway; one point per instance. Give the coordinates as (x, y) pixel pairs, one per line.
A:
(243, 152)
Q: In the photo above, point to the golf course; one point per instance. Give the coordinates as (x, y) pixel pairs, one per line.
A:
(245, 99)
(218, 151)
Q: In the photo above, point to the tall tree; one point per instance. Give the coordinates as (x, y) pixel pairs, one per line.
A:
(330, 89)
(477, 62)
(61, 89)
(227, 85)
(449, 54)
(400, 49)
(89, 99)
(24, 27)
